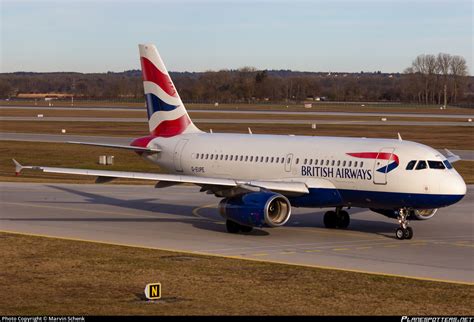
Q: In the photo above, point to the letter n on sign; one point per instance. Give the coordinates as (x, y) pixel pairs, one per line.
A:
(153, 291)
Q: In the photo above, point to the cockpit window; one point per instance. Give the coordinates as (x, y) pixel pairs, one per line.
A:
(436, 164)
(421, 165)
(447, 164)
(411, 165)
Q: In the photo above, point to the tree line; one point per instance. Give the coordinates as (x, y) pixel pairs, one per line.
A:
(423, 82)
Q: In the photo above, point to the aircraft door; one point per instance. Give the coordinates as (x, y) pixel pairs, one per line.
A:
(384, 158)
(177, 155)
(288, 162)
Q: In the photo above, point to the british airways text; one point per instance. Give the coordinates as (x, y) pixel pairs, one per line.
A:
(342, 173)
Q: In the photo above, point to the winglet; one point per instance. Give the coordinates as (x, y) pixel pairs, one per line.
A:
(18, 167)
(451, 157)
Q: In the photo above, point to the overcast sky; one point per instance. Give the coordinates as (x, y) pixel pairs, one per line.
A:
(352, 36)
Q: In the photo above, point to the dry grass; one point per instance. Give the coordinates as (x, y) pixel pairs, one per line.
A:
(451, 137)
(68, 156)
(106, 279)
(210, 115)
(78, 156)
(321, 106)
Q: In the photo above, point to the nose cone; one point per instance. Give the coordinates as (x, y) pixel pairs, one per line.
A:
(454, 189)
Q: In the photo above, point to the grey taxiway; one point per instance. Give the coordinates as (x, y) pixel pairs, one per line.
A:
(181, 218)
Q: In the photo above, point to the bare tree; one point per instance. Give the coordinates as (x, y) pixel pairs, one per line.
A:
(458, 68)
(444, 61)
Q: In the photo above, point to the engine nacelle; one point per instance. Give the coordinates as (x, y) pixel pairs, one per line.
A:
(257, 209)
(422, 214)
(414, 214)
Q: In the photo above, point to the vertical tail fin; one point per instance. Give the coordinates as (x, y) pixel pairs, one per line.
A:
(167, 115)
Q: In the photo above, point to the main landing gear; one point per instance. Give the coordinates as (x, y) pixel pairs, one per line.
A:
(234, 228)
(337, 219)
(403, 232)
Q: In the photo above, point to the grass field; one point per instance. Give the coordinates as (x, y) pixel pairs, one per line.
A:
(78, 156)
(319, 106)
(212, 115)
(450, 137)
(104, 279)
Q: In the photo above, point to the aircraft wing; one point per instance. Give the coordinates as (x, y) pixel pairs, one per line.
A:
(117, 146)
(281, 186)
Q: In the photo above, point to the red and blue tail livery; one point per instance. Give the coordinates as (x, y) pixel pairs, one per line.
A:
(389, 166)
(167, 116)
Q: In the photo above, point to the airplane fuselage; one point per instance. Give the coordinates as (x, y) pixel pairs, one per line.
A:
(359, 172)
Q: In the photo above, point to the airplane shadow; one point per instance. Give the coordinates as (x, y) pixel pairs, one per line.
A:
(210, 223)
(149, 205)
(381, 228)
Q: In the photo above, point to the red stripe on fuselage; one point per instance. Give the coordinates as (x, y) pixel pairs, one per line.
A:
(375, 155)
(171, 128)
(152, 74)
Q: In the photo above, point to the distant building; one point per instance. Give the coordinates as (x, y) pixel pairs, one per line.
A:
(45, 96)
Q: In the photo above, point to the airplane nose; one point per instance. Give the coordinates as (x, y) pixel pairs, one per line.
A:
(457, 189)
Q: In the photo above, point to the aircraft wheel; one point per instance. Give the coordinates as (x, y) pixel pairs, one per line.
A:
(245, 229)
(343, 220)
(330, 219)
(232, 226)
(408, 234)
(400, 233)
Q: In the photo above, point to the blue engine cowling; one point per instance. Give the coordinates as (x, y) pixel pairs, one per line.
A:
(414, 214)
(257, 209)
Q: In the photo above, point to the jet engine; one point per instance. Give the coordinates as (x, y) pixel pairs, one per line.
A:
(422, 214)
(414, 214)
(257, 209)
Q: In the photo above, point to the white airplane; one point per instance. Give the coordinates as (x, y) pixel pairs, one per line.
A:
(261, 177)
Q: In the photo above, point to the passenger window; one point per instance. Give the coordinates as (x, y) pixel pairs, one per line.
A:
(251, 158)
(282, 160)
(327, 162)
(297, 160)
(305, 161)
(241, 158)
(338, 162)
(310, 161)
(332, 163)
(411, 165)
(316, 162)
(349, 164)
(344, 163)
(288, 161)
(236, 158)
(361, 164)
(222, 156)
(246, 158)
(436, 164)
(421, 165)
(226, 157)
(261, 159)
(355, 164)
(447, 164)
(266, 160)
(207, 156)
(212, 156)
(272, 159)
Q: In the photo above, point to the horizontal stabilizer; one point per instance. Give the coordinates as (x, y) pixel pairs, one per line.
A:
(117, 146)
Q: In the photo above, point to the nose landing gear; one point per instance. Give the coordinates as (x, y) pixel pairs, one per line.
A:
(403, 232)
